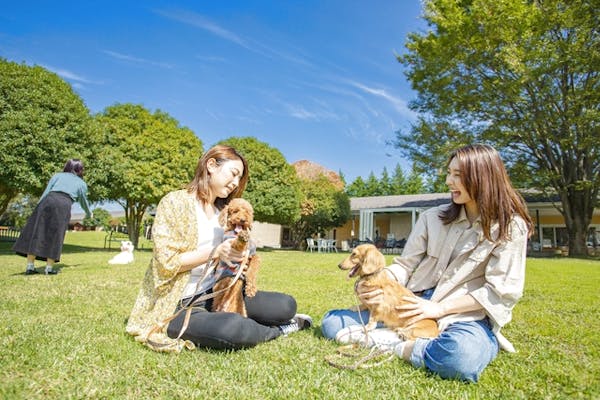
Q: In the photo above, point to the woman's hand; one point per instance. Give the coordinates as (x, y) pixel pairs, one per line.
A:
(225, 252)
(416, 309)
(368, 295)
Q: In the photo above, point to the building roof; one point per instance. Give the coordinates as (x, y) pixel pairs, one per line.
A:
(408, 202)
(405, 201)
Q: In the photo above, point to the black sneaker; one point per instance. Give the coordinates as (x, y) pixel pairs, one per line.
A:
(51, 272)
(31, 271)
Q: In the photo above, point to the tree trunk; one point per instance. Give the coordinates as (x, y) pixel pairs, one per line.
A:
(134, 213)
(578, 216)
(6, 195)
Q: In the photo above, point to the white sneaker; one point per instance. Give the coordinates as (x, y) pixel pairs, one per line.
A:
(298, 323)
(382, 338)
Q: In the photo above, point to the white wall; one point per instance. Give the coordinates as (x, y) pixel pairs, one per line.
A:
(400, 225)
(266, 235)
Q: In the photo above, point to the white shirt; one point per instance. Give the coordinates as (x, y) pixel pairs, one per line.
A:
(210, 234)
(457, 260)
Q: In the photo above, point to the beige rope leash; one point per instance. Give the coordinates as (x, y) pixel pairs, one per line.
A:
(353, 350)
(362, 362)
(189, 307)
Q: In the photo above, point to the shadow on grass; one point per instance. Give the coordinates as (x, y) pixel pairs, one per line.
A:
(71, 248)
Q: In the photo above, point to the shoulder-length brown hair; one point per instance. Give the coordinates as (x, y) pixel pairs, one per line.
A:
(199, 184)
(485, 178)
(74, 166)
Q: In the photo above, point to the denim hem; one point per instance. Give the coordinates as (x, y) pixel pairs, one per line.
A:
(417, 356)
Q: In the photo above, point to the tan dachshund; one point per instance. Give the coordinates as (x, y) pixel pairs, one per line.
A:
(368, 264)
(236, 218)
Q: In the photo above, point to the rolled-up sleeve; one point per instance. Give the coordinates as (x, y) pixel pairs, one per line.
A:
(504, 275)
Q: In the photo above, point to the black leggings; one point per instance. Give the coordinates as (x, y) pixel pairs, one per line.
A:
(231, 331)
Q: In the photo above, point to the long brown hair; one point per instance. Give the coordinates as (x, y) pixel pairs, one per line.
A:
(485, 178)
(199, 185)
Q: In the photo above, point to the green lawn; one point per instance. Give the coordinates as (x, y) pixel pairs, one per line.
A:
(63, 337)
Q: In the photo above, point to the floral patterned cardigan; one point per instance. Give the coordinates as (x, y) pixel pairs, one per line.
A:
(174, 232)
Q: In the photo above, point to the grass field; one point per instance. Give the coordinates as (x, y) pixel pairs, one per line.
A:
(62, 337)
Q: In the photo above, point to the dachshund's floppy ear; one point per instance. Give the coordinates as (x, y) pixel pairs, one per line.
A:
(223, 216)
(373, 261)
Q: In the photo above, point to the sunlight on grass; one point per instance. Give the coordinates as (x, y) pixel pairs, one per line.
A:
(63, 337)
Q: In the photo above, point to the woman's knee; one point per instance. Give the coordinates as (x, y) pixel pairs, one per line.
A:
(271, 308)
(329, 325)
(288, 305)
(451, 360)
(463, 355)
(335, 320)
(228, 331)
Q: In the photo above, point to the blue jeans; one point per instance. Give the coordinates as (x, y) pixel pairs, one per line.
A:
(462, 351)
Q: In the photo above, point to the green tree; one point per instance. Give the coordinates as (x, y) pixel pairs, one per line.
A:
(385, 183)
(273, 185)
(372, 185)
(43, 123)
(18, 210)
(342, 177)
(324, 206)
(147, 155)
(357, 188)
(414, 182)
(522, 76)
(398, 181)
(101, 218)
(428, 145)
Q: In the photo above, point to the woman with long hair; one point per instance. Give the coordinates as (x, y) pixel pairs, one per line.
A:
(186, 235)
(465, 261)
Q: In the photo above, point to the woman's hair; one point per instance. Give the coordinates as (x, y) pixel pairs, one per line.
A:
(485, 178)
(74, 166)
(199, 184)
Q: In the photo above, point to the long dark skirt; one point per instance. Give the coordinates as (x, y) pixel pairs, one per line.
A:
(44, 233)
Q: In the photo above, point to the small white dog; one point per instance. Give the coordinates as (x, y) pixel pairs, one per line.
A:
(126, 254)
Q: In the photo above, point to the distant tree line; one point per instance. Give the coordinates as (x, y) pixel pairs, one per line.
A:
(134, 156)
(387, 185)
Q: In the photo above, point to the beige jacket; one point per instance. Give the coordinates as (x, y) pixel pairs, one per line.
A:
(493, 273)
(174, 232)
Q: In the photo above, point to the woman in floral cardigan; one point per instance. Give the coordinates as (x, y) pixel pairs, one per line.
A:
(186, 234)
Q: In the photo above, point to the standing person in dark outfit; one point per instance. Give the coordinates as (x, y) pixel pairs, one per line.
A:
(44, 234)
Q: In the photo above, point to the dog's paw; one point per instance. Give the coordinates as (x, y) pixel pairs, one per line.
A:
(404, 333)
(243, 236)
(250, 290)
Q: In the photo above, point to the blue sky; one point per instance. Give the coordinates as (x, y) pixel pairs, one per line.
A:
(318, 80)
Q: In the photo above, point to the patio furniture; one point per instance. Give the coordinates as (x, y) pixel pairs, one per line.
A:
(310, 244)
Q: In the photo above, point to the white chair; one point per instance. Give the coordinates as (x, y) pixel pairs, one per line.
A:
(331, 245)
(310, 244)
(322, 245)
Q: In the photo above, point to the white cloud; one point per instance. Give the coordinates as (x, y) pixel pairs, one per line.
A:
(300, 112)
(399, 104)
(137, 60)
(201, 22)
(68, 75)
